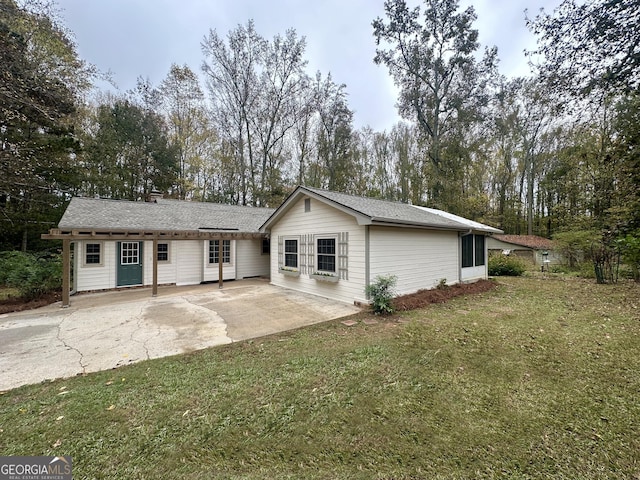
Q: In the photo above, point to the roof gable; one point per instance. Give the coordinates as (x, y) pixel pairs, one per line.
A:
(371, 211)
(168, 215)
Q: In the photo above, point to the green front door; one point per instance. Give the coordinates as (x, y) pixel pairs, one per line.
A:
(129, 263)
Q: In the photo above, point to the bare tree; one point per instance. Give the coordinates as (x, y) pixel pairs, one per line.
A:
(188, 124)
(232, 79)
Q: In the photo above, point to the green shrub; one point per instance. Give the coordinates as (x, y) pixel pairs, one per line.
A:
(586, 270)
(506, 265)
(575, 244)
(557, 268)
(31, 274)
(630, 248)
(381, 293)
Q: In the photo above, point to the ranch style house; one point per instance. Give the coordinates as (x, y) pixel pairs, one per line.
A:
(320, 242)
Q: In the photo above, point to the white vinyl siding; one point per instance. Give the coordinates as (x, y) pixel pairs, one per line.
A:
(189, 259)
(95, 276)
(167, 271)
(187, 264)
(250, 261)
(419, 258)
(320, 221)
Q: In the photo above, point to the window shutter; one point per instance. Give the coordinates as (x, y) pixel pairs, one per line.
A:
(302, 245)
(343, 255)
(310, 254)
(280, 252)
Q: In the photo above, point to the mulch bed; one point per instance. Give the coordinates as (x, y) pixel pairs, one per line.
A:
(422, 298)
(16, 304)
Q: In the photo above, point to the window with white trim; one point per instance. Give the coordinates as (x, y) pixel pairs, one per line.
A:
(93, 253)
(326, 254)
(290, 253)
(213, 251)
(473, 251)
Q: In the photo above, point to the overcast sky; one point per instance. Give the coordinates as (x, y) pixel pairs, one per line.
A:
(133, 38)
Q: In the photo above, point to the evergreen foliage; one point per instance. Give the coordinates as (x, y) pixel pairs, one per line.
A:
(506, 265)
(32, 274)
(381, 292)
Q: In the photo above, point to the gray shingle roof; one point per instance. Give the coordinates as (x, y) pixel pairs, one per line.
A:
(168, 215)
(383, 211)
(530, 241)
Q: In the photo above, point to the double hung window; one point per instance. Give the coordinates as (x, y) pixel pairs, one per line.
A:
(163, 252)
(326, 251)
(291, 253)
(93, 253)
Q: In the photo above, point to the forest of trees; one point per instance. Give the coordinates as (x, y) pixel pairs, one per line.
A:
(554, 154)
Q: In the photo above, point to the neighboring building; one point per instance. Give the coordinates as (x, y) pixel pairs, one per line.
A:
(114, 243)
(529, 247)
(334, 245)
(320, 242)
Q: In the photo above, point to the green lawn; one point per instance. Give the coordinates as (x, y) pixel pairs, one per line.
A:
(539, 378)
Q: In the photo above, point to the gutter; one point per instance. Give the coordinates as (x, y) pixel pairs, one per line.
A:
(384, 222)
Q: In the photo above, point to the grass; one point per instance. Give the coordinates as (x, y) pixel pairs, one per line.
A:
(536, 379)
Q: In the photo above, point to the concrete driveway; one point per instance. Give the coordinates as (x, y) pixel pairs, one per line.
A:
(100, 331)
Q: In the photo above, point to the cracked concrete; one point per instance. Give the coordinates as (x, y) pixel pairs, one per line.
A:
(70, 347)
(102, 331)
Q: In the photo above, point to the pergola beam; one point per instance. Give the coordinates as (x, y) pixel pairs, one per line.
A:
(100, 234)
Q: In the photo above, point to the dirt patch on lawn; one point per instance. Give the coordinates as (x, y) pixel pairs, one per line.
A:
(16, 304)
(422, 298)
